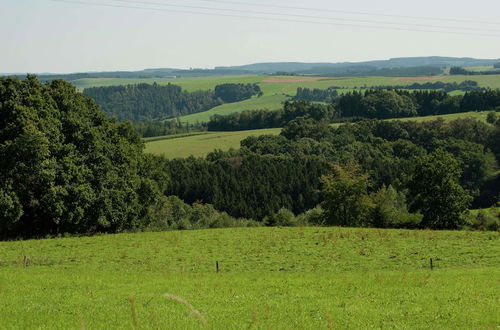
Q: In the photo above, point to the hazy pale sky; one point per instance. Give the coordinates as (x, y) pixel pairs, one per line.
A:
(106, 35)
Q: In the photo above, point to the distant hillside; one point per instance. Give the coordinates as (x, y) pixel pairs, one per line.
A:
(403, 66)
(401, 62)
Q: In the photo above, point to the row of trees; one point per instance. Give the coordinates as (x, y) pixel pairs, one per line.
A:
(457, 70)
(466, 85)
(384, 104)
(229, 93)
(166, 127)
(316, 95)
(254, 119)
(330, 94)
(153, 102)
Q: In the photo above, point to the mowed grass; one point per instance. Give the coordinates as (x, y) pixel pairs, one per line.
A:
(270, 278)
(200, 145)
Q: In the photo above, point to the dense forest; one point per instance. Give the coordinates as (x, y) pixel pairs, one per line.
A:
(319, 95)
(373, 104)
(152, 102)
(463, 152)
(66, 168)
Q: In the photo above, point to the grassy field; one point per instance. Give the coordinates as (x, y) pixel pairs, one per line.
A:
(270, 278)
(277, 92)
(269, 102)
(199, 145)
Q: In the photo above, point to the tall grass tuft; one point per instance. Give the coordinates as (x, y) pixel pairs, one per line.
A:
(192, 310)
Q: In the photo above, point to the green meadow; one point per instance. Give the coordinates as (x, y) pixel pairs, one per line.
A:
(269, 278)
(200, 144)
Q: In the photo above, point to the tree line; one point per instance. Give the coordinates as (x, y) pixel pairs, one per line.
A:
(152, 102)
(457, 70)
(330, 94)
(316, 95)
(255, 119)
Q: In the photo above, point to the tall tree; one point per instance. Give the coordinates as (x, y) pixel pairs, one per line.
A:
(435, 191)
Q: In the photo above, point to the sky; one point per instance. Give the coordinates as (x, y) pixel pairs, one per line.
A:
(62, 36)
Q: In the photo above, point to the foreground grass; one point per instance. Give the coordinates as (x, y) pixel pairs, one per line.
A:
(278, 278)
(200, 144)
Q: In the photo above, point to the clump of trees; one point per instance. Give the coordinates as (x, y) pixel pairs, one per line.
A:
(66, 168)
(229, 93)
(316, 95)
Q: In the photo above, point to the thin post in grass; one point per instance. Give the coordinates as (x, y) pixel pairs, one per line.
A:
(217, 266)
(25, 261)
(432, 266)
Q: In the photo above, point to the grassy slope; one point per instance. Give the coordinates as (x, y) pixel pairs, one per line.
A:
(274, 93)
(201, 144)
(269, 102)
(277, 278)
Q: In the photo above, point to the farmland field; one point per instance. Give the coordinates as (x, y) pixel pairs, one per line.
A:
(278, 278)
(199, 145)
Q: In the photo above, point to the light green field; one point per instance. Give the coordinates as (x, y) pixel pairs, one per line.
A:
(479, 115)
(201, 145)
(269, 102)
(270, 278)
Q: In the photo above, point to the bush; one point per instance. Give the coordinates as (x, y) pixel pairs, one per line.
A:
(171, 213)
(283, 217)
(312, 217)
(390, 210)
(492, 117)
(484, 220)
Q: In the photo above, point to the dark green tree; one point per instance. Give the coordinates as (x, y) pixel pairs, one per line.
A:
(434, 191)
(346, 202)
(65, 167)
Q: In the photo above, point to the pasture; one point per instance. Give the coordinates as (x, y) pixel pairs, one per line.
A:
(279, 278)
(200, 144)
